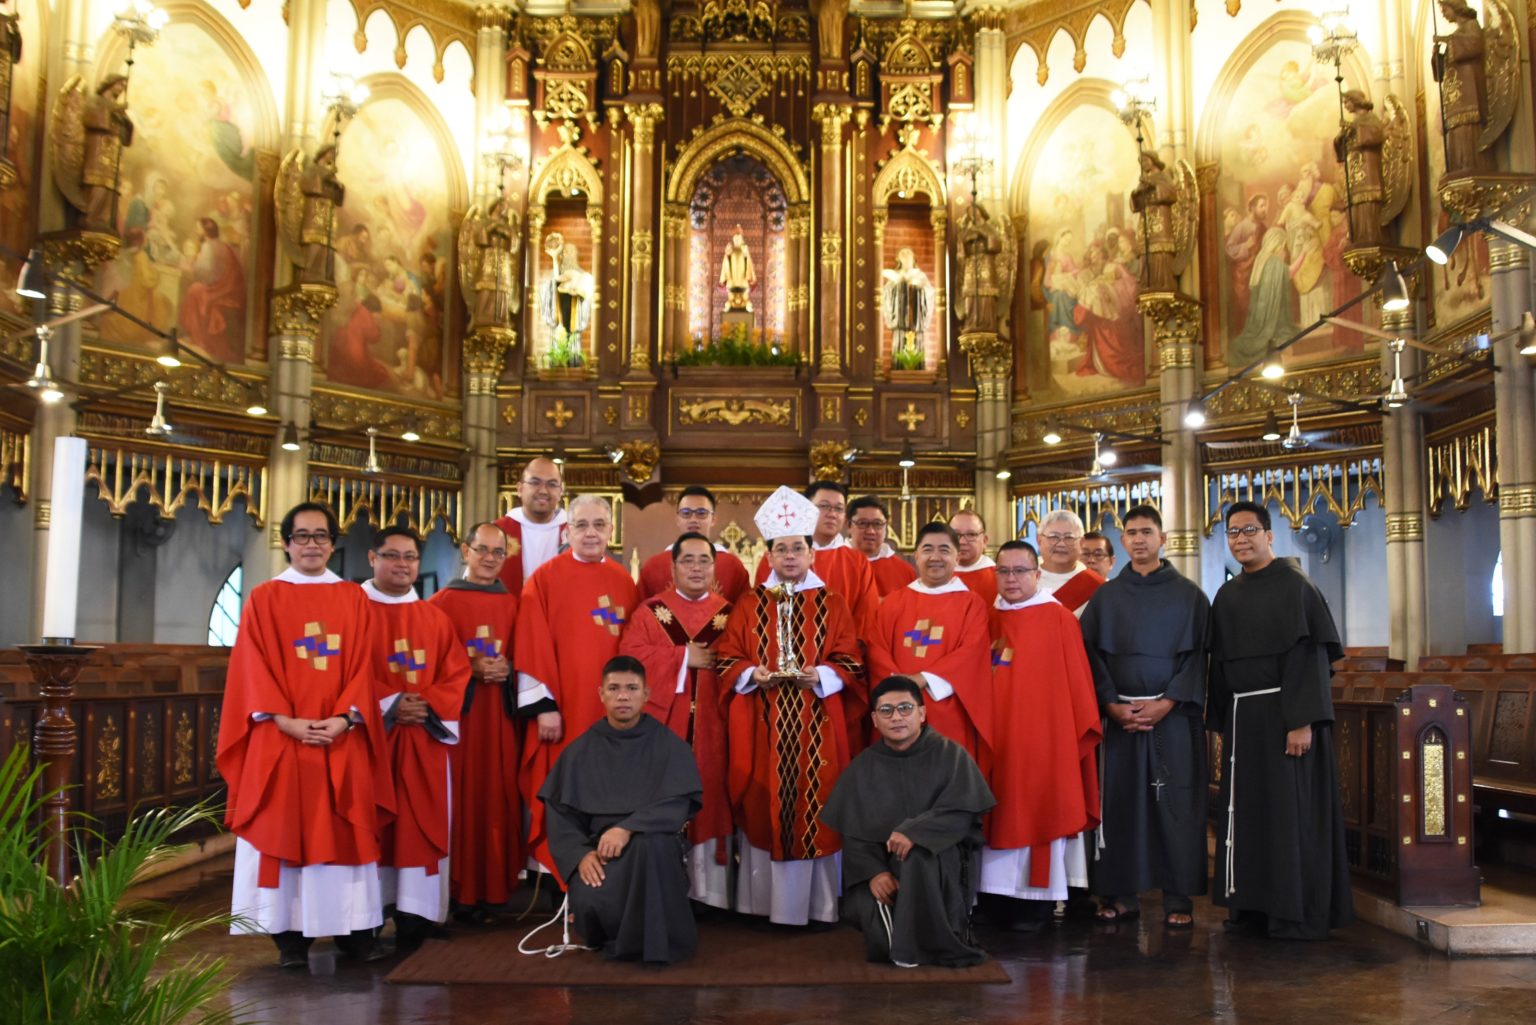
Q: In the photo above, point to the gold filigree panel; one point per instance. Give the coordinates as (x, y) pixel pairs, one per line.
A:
(419, 505)
(15, 461)
(1457, 466)
(736, 412)
(1095, 504)
(171, 481)
(1339, 486)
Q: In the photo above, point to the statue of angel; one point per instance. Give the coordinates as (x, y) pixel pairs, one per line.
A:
(308, 194)
(1358, 147)
(1478, 68)
(986, 254)
(1154, 198)
(490, 242)
(87, 137)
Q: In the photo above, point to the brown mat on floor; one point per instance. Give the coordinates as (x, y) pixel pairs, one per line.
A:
(731, 953)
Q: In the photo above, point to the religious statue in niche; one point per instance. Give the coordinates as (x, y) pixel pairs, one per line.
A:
(88, 137)
(565, 302)
(1358, 147)
(489, 243)
(1154, 198)
(907, 303)
(308, 196)
(737, 274)
(981, 248)
(1458, 67)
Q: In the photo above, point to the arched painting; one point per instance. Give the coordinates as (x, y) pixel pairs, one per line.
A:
(188, 198)
(393, 253)
(1085, 335)
(18, 206)
(1282, 208)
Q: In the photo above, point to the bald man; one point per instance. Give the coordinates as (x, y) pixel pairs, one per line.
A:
(536, 528)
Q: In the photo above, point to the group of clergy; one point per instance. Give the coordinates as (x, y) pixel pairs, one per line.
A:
(895, 742)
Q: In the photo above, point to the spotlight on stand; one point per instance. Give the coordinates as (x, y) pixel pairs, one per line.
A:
(290, 440)
(1194, 416)
(1442, 248)
(850, 454)
(908, 458)
(614, 453)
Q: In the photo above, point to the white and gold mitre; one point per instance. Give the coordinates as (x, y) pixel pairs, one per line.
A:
(786, 513)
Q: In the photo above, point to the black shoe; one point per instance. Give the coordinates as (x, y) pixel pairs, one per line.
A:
(411, 931)
(292, 949)
(362, 945)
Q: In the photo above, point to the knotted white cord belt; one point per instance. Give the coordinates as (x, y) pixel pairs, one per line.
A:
(1232, 785)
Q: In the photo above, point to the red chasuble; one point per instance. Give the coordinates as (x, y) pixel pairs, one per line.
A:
(1043, 773)
(846, 573)
(1074, 594)
(946, 635)
(487, 851)
(568, 626)
(656, 636)
(891, 573)
(983, 581)
(730, 575)
(303, 651)
(786, 746)
(417, 651)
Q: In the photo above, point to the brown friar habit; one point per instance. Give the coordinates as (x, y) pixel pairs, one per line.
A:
(933, 794)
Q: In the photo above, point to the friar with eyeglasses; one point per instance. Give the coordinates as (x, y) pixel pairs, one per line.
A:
(1047, 732)
(1281, 865)
(1146, 633)
(301, 749)
(909, 810)
(420, 673)
(487, 850)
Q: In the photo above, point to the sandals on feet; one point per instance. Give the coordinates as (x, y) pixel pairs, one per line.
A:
(1116, 912)
(1178, 920)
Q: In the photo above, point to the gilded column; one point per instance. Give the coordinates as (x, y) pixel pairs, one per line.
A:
(644, 118)
(1176, 333)
(1403, 466)
(1515, 410)
(829, 320)
(674, 315)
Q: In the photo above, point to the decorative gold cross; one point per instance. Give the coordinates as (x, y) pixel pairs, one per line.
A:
(559, 415)
(912, 416)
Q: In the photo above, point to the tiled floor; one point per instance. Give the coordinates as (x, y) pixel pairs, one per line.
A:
(1076, 972)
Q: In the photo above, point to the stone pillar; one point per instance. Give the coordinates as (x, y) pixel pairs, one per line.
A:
(490, 90)
(1176, 333)
(1515, 410)
(991, 356)
(992, 365)
(990, 118)
(829, 320)
(303, 115)
(1403, 465)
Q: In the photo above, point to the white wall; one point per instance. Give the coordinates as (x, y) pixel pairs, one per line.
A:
(1462, 548)
(100, 543)
(190, 569)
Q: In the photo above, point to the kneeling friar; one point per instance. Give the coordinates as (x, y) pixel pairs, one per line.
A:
(615, 804)
(909, 809)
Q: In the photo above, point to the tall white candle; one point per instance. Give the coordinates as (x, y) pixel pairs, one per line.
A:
(61, 591)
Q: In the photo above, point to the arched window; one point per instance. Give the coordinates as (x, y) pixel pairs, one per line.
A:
(224, 618)
(1496, 586)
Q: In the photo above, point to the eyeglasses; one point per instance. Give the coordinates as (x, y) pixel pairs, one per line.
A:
(500, 553)
(701, 513)
(307, 537)
(1095, 553)
(970, 535)
(536, 484)
(1054, 537)
(830, 507)
(390, 555)
(1249, 531)
(869, 524)
(582, 526)
(1014, 571)
(904, 709)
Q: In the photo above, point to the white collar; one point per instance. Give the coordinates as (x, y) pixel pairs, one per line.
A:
(588, 562)
(683, 596)
(886, 551)
(293, 576)
(374, 594)
(558, 520)
(955, 586)
(985, 562)
(1040, 598)
(811, 581)
(838, 541)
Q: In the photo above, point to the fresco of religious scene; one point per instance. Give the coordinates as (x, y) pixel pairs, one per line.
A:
(1460, 288)
(1283, 209)
(187, 201)
(736, 220)
(1086, 335)
(392, 253)
(18, 208)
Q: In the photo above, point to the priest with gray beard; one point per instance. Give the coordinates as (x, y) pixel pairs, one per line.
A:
(909, 809)
(615, 804)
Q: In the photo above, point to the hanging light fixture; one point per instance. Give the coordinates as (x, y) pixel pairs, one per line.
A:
(372, 465)
(254, 406)
(1052, 435)
(1273, 369)
(1397, 394)
(1003, 473)
(558, 455)
(42, 380)
(32, 283)
(159, 426)
(1194, 415)
(290, 442)
(1394, 290)
(1441, 249)
(1271, 427)
(168, 352)
(411, 432)
(908, 457)
(1528, 334)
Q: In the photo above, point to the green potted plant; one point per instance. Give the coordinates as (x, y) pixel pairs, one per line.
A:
(91, 953)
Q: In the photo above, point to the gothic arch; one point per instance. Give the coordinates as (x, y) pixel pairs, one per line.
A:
(750, 137)
(568, 168)
(1084, 92)
(908, 171)
(395, 86)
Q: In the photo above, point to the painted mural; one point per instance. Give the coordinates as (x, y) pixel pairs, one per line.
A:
(1085, 336)
(393, 244)
(1282, 208)
(18, 207)
(188, 197)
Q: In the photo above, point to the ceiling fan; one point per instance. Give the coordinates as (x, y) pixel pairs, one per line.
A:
(1293, 439)
(41, 381)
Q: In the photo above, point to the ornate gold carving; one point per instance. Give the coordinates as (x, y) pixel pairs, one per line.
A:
(509, 412)
(1456, 466)
(610, 415)
(297, 311)
(16, 461)
(827, 460)
(1367, 262)
(75, 255)
(1343, 381)
(738, 20)
(639, 407)
(109, 753)
(831, 250)
(831, 409)
(1501, 64)
(1505, 255)
(645, 117)
(1182, 542)
(735, 412)
(1175, 319)
(738, 85)
(641, 249)
(1517, 501)
(640, 459)
(962, 418)
(1206, 176)
(1432, 769)
(386, 501)
(991, 355)
(861, 416)
(559, 415)
(911, 416)
(1405, 527)
(1483, 196)
(1071, 17)
(1342, 485)
(1093, 503)
(181, 741)
(172, 480)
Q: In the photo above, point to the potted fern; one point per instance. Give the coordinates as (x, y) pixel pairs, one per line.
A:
(90, 953)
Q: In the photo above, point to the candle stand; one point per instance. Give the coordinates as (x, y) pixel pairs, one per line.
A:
(55, 667)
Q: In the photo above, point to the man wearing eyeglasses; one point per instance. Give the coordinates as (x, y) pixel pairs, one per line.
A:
(909, 811)
(1062, 575)
(420, 675)
(695, 515)
(1281, 865)
(675, 636)
(1047, 726)
(842, 568)
(571, 615)
(934, 633)
(1097, 553)
(1146, 633)
(868, 523)
(976, 568)
(300, 741)
(536, 528)
(487, 849)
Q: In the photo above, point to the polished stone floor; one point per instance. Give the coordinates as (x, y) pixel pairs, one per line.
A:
(1078, 971)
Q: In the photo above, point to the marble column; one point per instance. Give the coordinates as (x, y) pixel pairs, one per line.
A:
(829, 315)
(1402, 445)
(1176, 333)
(1515, 411)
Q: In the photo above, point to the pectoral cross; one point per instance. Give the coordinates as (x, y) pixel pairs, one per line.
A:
(1157, 791)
